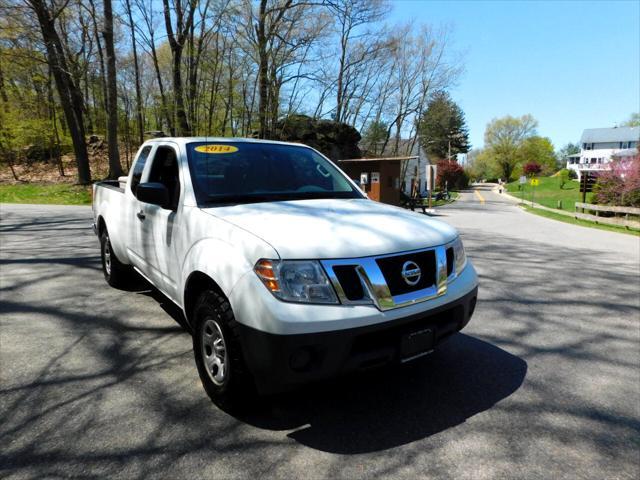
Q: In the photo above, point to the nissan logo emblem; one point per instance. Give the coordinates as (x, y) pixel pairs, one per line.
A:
(411, 273)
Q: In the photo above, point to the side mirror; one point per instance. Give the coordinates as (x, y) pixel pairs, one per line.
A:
(153, 193)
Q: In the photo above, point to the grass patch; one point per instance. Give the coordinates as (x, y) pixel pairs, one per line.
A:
(549, 192)
(583, 223)
(51, 194)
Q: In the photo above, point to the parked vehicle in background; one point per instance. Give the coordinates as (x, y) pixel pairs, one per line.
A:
(285, 271)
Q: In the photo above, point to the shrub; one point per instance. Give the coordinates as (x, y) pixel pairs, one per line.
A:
(563, 177)
(450, 173)
(532, 168)
(620, 185)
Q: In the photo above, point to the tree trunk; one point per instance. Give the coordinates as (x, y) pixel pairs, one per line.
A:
(54, 123)
(103, 80)
(177, 42)
(184, 129)
(115, 168)
(70, 95)
(3, 91)
(263, 66)
(136, 67)
(339, 96)
(163, 96)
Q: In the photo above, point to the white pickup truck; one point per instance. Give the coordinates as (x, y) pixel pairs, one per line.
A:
(285, 271)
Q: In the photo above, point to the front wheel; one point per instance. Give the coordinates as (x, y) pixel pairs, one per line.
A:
(116, 273)
(218, 353)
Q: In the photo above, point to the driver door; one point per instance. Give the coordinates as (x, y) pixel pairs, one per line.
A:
(159, 224)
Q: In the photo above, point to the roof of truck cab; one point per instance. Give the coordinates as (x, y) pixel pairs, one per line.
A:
(186, 140)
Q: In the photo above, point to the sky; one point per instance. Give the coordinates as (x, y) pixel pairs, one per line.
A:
(571, 64)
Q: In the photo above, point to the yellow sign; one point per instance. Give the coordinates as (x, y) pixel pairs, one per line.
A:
(535, 182)
(217, 149)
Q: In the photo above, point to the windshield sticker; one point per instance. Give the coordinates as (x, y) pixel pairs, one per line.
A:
(217, 149)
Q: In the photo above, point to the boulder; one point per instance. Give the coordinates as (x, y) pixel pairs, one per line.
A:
(40, 153)
(336, 140)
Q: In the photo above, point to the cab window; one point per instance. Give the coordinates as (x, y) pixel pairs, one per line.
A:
(164, 169)
(138, 168)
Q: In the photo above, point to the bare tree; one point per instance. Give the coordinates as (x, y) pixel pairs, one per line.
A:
(356, 45)
(115, 168)
(136, 69)
(282, 32)
(69, 92)
(184, 13)
(148, 35)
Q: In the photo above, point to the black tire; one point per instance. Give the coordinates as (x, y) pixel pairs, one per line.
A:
(235, 387)
(116, 273)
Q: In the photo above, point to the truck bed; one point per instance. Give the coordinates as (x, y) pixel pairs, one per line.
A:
(112, 185)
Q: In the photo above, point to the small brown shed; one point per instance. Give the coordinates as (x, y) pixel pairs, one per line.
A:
(378, 177)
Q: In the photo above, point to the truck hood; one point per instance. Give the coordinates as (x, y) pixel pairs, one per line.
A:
(332, 228)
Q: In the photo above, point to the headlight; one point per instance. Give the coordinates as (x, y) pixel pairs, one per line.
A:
(296, 280)
(460, 256)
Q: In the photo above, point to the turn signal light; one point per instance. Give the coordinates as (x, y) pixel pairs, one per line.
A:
(264, 270)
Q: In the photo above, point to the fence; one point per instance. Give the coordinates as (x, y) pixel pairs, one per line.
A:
(620, 221)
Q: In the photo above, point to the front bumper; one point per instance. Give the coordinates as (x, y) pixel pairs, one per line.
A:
(254, 306)
(281, 362)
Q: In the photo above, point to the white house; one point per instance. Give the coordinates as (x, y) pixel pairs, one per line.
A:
(599, 145)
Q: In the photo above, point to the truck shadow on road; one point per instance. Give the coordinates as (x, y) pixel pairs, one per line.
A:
(395, 406)
(388, 407)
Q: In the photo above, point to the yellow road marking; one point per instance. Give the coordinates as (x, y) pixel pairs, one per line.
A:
(480, 197)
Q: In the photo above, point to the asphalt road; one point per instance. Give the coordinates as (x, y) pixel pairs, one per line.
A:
(543, 383)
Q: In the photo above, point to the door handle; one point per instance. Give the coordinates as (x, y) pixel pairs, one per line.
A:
(141, 215)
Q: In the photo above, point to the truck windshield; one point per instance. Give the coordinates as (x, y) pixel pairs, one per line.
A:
(239, 172)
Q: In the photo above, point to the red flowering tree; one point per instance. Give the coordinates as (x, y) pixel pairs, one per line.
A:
(620, 185)
(451, 174)
(532, 168)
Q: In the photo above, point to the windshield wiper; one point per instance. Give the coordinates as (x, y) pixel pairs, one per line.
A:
(237, 198)
(276, 197)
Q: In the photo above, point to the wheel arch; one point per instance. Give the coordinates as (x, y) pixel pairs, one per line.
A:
(196, 283)
(102, 225)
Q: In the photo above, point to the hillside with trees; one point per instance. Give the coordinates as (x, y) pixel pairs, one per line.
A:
(74, 70)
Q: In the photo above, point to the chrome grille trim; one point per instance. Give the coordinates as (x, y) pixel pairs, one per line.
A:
(375, 286)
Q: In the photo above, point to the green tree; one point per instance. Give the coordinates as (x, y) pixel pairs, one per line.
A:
(633, 121)
(538, 150)
(564, 152)
(442, 128)
(503, 139)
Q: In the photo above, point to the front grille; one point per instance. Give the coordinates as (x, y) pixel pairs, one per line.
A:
(349, 281)
(450, 261)
(391, 268)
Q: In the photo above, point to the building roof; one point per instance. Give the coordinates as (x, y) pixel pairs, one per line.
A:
(615, 134)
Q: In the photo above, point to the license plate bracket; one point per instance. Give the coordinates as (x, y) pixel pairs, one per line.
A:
(416, 344)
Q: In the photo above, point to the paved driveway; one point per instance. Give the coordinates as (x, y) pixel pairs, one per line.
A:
(544, 382)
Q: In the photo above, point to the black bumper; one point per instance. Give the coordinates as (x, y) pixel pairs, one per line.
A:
(282, 362)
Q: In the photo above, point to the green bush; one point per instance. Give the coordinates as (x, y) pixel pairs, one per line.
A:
(563, 177)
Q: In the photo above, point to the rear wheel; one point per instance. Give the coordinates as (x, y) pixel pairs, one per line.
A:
(218, 354)
(116, 273)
